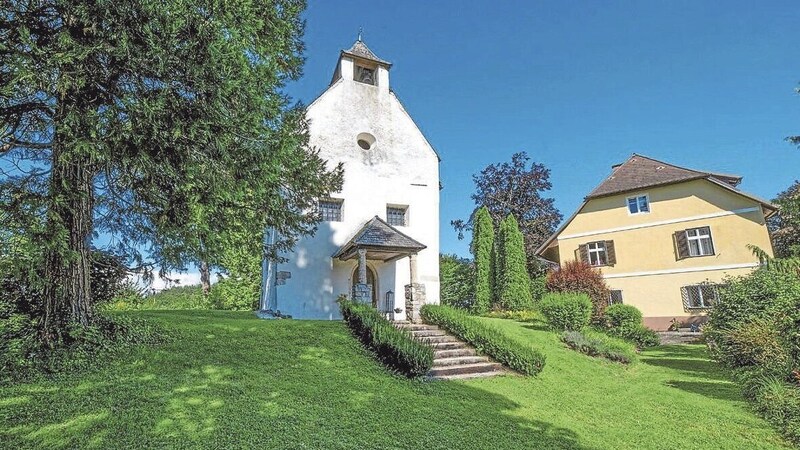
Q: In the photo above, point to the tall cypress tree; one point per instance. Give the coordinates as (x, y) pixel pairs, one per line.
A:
(162, 123)
(514, 290)
(482, 249)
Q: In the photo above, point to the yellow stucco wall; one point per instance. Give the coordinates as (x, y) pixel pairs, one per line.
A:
(648, 270)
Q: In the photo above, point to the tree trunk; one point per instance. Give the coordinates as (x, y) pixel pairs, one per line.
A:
(67, 292)
(205, 277)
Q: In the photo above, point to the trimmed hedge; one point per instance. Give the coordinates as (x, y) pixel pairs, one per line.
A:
(566, 310)
(395, 348)
(486, 339)
(594, 343)
(625, 322)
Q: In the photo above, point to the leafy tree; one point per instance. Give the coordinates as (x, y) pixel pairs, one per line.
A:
(457, 281)
(161, 123)
(512, 275)
(785, 225)
(482, 248)
(517, 188)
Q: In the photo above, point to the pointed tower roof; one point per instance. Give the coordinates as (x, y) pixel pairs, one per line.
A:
(360, 50)
(641, 172)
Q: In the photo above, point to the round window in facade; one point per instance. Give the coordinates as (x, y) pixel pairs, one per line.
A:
(365, 140)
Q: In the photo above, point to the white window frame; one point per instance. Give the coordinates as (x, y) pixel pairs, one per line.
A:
(699, 288)
(599, 249)
(398, 207)
(704, 242)
(338, 201)
(637, 199)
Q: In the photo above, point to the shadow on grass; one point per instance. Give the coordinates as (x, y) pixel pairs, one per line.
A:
(269, 384)
(721, 390)
(536, 326)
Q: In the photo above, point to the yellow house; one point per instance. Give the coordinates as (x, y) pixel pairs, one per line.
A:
(663, 236)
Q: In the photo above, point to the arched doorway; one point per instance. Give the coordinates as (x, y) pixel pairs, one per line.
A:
(372, 280)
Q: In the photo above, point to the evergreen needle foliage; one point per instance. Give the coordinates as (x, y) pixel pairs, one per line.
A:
(482, 250)
(514, 291)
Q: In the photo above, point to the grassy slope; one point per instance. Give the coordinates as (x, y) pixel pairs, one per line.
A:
(231, 380)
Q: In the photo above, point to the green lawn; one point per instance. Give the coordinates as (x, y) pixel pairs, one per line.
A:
(230, 380)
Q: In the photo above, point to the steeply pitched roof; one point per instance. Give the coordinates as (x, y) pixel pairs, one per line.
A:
(640, 172)
(360, 50)
(377, 234)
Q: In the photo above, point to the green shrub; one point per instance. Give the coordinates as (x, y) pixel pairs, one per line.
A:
(639, 335)
(482, 248)
(595, 343)
(457, 282)
(779, 402)
(396, 348)
(174, 298)
(514, 283)
(566, 311)
(538, 287)
(238, 294)
(757, 343)
(486, 339)
(622, 316)
(577, 276)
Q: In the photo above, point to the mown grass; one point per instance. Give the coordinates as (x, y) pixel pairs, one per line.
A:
(232, 381)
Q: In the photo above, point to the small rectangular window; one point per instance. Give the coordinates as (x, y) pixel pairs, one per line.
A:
(397, 216)
(699, 241)
(615, 297)
(331, 209)
(638, 205)
(700, 296)
(597, 253)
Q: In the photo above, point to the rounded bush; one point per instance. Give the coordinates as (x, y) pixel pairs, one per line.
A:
(623, 316)
(567, 311)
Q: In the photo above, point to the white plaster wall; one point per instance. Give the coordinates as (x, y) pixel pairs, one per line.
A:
(401, 168)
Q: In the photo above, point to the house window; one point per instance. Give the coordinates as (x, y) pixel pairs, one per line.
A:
(700, 296)
(397, 215)
(331, 209)
(597, 253)
(638, 205)
(699, 241)
(615, 297)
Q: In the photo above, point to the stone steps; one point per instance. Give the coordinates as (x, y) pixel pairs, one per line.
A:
(453, 359)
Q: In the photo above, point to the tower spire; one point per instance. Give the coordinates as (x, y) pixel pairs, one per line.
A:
(360, 32)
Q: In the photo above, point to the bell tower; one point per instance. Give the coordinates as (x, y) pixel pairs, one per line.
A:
(359, 65)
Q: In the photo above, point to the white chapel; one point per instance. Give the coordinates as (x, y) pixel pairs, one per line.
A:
(379, 238)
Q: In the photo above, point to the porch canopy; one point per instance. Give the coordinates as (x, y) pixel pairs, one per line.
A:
(377, 240)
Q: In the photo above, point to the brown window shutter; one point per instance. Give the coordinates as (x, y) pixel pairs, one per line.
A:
(583, 250)
(610, 253)
(682, 244)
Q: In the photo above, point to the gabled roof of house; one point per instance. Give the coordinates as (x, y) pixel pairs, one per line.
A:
(360, 50)
(378, 235)
(640, 172)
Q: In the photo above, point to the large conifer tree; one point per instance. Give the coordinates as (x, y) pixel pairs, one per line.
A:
(159, 122)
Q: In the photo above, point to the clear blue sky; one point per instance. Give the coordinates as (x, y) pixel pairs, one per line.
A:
(580, 85)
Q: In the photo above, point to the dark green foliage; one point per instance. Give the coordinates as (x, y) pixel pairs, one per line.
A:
(396, 348)
(482, 248)
(625, 322)
(456, 281)
(530, 315)
(517, 188)
(566, 311)
(755, 329)
(594, 343)
(623, 316)
(164, 124)
(538, 287)
(514, 288)
(486, 339)
(174, 298)
(785, 225)
(578, 276)
(237, 294)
